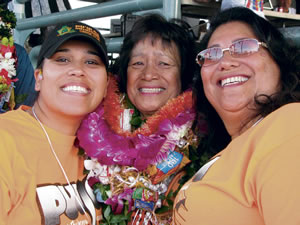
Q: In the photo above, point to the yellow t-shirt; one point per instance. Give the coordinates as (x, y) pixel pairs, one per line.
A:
(255, 181)
(33, 189)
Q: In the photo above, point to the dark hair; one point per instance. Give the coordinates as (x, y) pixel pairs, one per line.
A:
(159, 28)
(285, 55)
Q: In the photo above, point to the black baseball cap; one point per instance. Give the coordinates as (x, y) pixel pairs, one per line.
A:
(64, 32)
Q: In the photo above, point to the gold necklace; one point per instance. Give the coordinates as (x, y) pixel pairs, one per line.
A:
(58, 161)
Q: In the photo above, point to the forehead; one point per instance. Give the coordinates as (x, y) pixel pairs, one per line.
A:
(78, 42)
(231, 31)
(156, 43)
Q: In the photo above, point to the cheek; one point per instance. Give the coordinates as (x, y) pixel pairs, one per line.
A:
(208, 88)
(173, 79)
(176, 83)
(130, 84)
(100, 80)
(131, 90)
(132, 79)
(205, 75)
(102, 87)
(270, 75)
(275, 79)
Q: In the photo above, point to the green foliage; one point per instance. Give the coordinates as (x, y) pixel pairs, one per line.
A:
(81, 152)
(8, 22)
(20, 98)
(136, 120)
(109, 218)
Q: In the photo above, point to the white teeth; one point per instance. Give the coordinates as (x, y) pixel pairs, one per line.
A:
(233, 80)
(151, 90)
(78, 89)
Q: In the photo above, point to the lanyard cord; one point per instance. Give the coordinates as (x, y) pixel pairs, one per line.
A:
(58, 161)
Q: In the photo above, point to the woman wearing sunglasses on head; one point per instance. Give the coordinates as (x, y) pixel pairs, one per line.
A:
(249, 82)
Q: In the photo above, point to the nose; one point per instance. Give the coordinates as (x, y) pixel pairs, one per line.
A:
(227, 61)
(150, 72)
(76, 69)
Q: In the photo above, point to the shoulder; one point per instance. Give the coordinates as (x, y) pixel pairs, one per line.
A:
(14, 121)
(286, 118)
(291, 109)
(16, 129)
(11, 115)
(274, 134)
(278, 133)
(8, 127)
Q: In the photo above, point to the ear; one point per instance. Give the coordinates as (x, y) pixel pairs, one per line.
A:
(38, 79)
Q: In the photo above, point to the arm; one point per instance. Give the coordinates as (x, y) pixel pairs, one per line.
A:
(278, 184)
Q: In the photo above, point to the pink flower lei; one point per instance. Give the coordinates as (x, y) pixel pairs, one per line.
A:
(134, 170)
(101, 136)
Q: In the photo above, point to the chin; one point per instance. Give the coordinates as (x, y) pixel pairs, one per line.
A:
(149, 110)
(76, 112)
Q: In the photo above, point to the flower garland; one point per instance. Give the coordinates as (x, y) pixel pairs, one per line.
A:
(132, 170)
(8, 60)
(113, 111)
(160, 133)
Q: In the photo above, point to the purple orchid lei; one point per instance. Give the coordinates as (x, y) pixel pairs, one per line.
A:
(113, 155)
(100, 142)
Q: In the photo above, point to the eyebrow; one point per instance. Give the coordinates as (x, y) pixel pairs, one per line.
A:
(136, 55)
(158, 53)
(94, 53)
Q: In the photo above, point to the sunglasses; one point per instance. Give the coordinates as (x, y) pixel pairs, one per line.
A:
(240, 48)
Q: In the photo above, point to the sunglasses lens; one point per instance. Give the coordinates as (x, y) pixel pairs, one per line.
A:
(239, 48)
(209, 56)
(244, 47)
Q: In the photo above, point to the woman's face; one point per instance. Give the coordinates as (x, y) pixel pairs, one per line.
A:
(153, 75)
(73, 80)
(231, 84)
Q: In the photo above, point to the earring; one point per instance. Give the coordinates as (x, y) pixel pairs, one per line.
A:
(40, 76)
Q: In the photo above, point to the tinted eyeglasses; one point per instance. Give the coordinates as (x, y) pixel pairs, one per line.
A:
(240, 48)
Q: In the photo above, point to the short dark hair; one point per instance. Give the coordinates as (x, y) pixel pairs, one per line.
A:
(167, 31)
(280, 48)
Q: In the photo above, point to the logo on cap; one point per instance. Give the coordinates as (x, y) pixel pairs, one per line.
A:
(65, 30)
(87, 30)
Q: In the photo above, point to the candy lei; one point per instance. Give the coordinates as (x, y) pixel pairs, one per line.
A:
(8, 60)
(132, 170)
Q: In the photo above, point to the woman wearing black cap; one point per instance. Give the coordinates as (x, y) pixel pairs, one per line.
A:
(40, 171)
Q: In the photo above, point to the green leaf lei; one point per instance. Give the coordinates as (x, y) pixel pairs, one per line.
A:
(136, 120)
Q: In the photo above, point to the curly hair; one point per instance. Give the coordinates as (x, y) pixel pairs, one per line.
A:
(282, 50)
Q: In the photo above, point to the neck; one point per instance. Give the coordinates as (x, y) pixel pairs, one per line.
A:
(237, 127)
(62, 123)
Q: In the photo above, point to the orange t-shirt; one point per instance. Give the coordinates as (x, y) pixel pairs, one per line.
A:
(255, 181)
(33, 189)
